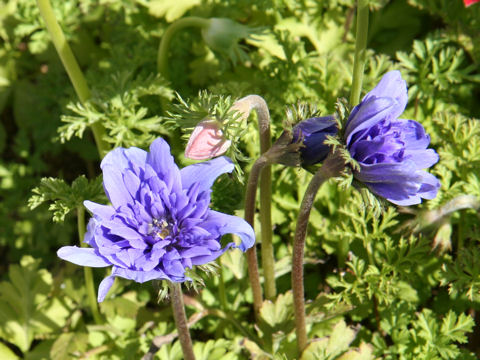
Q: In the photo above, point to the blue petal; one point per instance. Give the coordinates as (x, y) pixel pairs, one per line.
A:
(82, 256)
(121, 158)
(101, 211)
(138, 275)
(104, 287)
(113, 166)
(423, 159)
(205, 173)
(228, 224)
(313, 125)
(162, 162)
(430, 186)
(393, 86)
(368, 113)
(115, 187)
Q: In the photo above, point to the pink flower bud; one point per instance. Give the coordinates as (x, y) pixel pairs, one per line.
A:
(206, 141)
(470, 2)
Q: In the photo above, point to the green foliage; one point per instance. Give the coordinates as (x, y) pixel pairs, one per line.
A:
(66, 198)
(27, 308)
(119, 108)
(385, 284)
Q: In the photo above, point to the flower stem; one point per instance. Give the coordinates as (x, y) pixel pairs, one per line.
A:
(250, 195)
(331, 167)
(87, 271)
(181, 320)
(246, 105)
(71, 66)
(162, 56)
(221, 287)
(360, 51)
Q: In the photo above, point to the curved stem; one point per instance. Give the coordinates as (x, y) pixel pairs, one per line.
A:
(360, 51)
(181, 321)
(331, 167)
(250, 195)
(71, 66)
(87, 271)
(246, 105)
(162, 56)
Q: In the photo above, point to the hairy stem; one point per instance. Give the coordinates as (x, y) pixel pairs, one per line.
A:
(360, 51)
(246, 105)
(331, 167)
(250, 195)
(87, 271)
(71, 66)
(181, 320)
(162, 56)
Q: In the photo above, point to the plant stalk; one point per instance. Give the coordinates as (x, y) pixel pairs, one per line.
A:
(360, 51)
(71, 66)
(331, 167)
(181, 320)
(222, 294)
(162, 56)
(246, 105)
(250, 195)
(87, 271)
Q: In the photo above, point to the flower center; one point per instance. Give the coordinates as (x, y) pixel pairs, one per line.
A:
(160, 228)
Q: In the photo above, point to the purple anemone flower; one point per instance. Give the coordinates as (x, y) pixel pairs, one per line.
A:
(391, 152)
(313, 132)
(160, 222)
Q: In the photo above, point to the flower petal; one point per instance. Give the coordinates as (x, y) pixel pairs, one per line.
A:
(104, 287)
(205, 173)
(207, 141)
(102, 211)
(228, 224)
(82, 256)
(430, 186)
(423, 159)
(369, 112)
(138, 275)
(114, 186)
(122, 158)
(163, 163)
(393, 86)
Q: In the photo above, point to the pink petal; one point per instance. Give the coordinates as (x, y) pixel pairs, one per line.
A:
(470, 2)
(207, 141)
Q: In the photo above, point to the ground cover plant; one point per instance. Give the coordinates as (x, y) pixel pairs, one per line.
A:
(206, 179)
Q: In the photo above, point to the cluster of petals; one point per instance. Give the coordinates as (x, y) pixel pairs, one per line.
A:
(313, 132)
(160, 222)
(392, 153)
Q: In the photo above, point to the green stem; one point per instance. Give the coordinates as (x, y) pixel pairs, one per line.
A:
(221, 287)
(181, 320)
(360, 51)
(71, 66)
(250, 195)
(87, 271)
(246, 105)
(331, 167)
(162, 57)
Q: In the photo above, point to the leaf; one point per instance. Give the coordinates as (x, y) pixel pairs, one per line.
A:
(171, 10)
(26, 307)
(67, 344)
(66, 198)
(6, 353)
(330, 347)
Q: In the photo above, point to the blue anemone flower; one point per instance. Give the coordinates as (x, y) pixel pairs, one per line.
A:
(313, 132)
(392, 153)
(159, 223)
